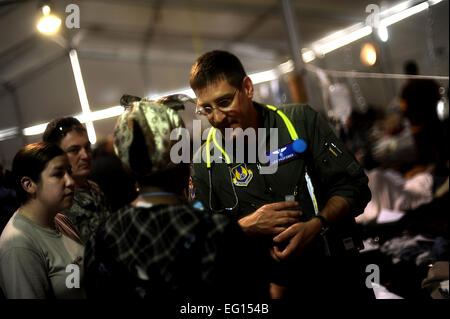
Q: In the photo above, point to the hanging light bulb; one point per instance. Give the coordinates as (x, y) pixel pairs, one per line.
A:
(46, 10)
(48, 24)
(368, 54)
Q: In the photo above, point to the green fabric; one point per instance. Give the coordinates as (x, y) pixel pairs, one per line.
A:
(154, 121)
(89, 209)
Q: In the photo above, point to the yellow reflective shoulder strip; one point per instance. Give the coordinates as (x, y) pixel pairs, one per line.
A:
(287, 122)
(289, 125)
(271, 107)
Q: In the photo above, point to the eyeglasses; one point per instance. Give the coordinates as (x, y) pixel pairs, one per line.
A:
(222, 104)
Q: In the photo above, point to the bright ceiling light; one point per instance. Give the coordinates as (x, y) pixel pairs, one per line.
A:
(48, 24)
(442, 109)
(8, 133)
(397, 8)
(83, 118)
(82, 95)
(35, 130)
(264, 76)
(308, 55)
(46, 10)
(356, 32)
(286, 67)
(404, 14)
(343, 40)
(383, 33)
(368, 54)
(104, 114)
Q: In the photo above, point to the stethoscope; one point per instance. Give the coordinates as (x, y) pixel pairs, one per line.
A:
(298, 145)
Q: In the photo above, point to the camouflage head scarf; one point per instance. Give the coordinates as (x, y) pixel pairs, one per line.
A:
(155, 120)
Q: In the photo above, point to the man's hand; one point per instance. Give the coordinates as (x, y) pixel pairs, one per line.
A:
(298, 237)
(270, 219)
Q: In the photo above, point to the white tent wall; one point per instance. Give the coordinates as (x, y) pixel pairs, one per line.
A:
(56, 87)
(8, 149)
(408, 40)
(8, 116)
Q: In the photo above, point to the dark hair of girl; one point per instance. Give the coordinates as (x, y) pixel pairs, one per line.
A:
(30, 161)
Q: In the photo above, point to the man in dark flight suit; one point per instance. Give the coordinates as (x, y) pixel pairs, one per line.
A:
(315, 254)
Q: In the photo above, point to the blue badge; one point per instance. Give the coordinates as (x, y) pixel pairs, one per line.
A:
(282, 154)
(241, 175)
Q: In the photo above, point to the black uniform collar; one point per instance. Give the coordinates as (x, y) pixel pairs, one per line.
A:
(266, 117)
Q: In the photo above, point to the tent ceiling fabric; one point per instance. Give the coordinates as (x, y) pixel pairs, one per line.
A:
(143, 47)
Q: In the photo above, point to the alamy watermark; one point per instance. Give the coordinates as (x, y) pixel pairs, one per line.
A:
(373, 19)
(249, 146)
(374, 275)
(73, 278)
(73, 18)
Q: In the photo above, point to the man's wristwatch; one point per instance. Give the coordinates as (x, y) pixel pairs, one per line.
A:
(324, 222)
